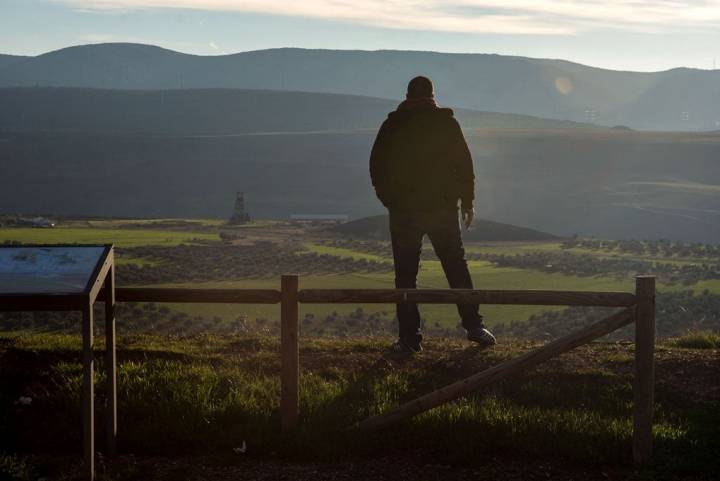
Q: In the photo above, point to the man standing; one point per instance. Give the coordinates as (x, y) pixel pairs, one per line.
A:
(421, 169)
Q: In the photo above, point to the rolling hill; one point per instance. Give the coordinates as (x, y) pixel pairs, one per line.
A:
(377, 227)
(595, 182)
(214, 111)
(6, 60)
(183, 153)
(678, 99)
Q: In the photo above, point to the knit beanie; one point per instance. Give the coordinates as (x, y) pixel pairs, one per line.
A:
(420, 87)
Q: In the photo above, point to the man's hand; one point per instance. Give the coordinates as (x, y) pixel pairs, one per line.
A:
(468, 215)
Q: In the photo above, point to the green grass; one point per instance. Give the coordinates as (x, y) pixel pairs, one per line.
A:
(512, 248)
(519, 248)
(344, 252)
(485, 275)
(16, 467)
(116, 223)
(713, 286)
(119, 237)
(209, 394)
(261, 223)
(697, 340)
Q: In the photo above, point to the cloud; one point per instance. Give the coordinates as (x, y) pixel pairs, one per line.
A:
(546, 17)
(105, 38)
(210, 47)
(96, 38)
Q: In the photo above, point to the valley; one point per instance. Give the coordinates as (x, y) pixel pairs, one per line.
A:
(208, 254)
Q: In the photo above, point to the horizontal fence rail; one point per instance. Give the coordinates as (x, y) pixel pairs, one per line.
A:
(466, 296)
(378, 296)
(209, 296)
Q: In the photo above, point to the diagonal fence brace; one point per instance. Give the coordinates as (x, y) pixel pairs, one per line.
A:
(499, 372)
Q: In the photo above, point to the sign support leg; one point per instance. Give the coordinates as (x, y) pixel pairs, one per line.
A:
(110, 364)
(88, 394)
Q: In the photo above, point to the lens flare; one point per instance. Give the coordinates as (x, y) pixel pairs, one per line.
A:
(563, 85)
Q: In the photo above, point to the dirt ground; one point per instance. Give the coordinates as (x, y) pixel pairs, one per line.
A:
(405, 466)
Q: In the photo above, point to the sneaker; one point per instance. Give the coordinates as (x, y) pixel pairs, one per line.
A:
(400, 347)
(481, 336)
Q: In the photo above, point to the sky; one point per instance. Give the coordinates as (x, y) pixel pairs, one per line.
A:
(639, 35)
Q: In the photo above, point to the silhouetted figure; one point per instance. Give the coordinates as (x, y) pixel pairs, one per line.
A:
(421, 169)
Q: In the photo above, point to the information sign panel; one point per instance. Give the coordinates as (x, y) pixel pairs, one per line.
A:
(47, 270)
(69, 278)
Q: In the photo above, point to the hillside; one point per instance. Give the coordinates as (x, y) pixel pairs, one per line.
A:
(206, 407)
(593, 182)
(214, 111)
(377, 227)
(6, 60)
(678, 99)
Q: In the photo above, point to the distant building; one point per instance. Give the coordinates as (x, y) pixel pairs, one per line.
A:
(40, 222)
(319, 218)
(239, 215)
(590, 115)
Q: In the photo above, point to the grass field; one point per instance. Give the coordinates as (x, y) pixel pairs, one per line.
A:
(120, 223)
(510, 249)
(212, 394)
(91, 235)
(130, 233)
(599, 254)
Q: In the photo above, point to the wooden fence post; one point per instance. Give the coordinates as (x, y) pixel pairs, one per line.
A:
(643, 389)
(290, 353)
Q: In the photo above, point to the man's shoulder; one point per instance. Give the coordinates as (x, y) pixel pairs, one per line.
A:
(444, 119)
(446, 116)
(443, 115)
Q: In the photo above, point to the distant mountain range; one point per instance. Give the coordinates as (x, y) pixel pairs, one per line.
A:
(9, 59)
(215, 112)
(678, 99)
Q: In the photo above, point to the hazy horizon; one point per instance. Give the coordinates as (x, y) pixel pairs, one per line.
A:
(617, 35)
(288, 47)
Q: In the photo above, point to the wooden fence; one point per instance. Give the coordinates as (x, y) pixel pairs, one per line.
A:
(639, 307)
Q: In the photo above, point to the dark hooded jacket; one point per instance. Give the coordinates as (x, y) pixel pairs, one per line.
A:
(420, 161)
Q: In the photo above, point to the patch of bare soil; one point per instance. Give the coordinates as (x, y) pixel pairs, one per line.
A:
(406, 467)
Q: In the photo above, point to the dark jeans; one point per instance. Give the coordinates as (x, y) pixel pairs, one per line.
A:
(407, 229)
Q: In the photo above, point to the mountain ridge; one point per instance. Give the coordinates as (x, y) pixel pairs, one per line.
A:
(215, 111)
(304, 49)
(676, 99)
